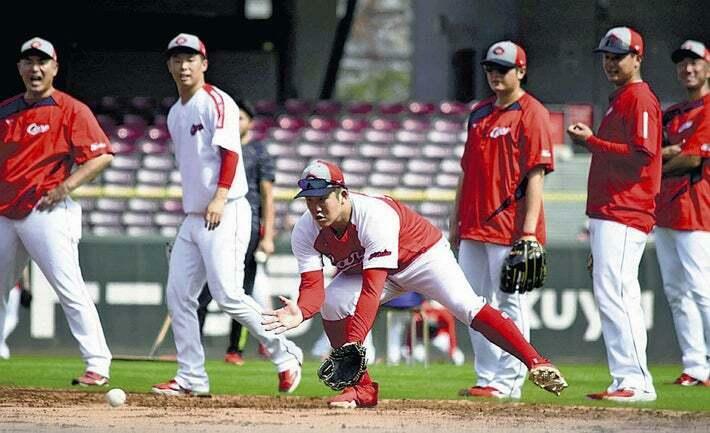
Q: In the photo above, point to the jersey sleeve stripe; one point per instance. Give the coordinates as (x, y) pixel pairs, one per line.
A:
(645, 125)
(218, 102)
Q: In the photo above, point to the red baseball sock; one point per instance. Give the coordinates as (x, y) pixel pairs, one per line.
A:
(503, 332)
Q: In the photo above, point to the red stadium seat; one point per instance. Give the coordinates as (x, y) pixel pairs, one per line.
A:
(454, 108)
(323, 123)
(297, 107)
(152, 147)
(416, 124)
(384, 124)
(290, 123)
(421, 108)
(391, 108)
(121, 147)
(266, 107)
(129, 133)
(263, 123)
(327, 108)
(356, 124)
(158, 133)
(359, 108)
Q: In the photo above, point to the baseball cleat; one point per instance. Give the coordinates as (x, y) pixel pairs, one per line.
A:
(173, 389)
(289, 380)
(688, 380)
(234, 358)
(548, 377)
(356, 396)
(90, 379)
(625, 395)
(481, 391)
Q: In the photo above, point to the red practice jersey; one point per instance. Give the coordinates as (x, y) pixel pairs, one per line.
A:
(624, 188)
(502, 147)
(383, 233)
(684, 203)
(39, 145)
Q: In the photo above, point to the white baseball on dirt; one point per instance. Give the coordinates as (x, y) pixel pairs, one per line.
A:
(260, 256)
(116, 397)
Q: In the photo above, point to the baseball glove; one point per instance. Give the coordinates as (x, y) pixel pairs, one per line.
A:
(525, 268)
(344, 367)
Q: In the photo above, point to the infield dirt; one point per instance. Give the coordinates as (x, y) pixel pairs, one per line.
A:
(34, 410)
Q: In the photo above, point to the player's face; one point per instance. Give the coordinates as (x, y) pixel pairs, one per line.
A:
(329, 209)
(692, 73)
(621, 68)
(187, 69)
(502, 79)
(38, 75)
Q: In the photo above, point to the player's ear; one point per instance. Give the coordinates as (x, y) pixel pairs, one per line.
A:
(520, 72)
(343, 195)
(205, 64)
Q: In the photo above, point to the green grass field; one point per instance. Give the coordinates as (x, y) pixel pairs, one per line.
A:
(437, 382)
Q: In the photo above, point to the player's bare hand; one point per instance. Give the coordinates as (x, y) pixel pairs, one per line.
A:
(53, 196)
(579, 133)
(213, 216)
(266, 245)
(287, 317)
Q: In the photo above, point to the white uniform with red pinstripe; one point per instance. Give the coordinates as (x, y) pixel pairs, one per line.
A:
(208, 121)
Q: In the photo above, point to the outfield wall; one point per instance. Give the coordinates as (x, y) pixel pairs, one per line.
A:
(127, 276)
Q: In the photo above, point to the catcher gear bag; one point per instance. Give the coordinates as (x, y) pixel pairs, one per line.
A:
(525, 268)
(344, 367)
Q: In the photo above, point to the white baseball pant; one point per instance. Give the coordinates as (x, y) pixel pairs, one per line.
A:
(684, 258)
(617, 251)
(217, 257)
(51, 239)
(12, 313)
(434, 274)
(482, 263)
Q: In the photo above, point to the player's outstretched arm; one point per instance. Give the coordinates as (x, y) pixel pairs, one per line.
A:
(287, 317)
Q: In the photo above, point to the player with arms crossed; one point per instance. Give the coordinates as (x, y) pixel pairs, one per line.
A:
(683, 221)
(381, 249)
(624, 181)
(212, 240)
(43, 133)
(498, 207)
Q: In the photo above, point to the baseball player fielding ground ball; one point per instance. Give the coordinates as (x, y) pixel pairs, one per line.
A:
(43, 134)
(213, 238)
(683, 219)
(381, 249)
(624, 180)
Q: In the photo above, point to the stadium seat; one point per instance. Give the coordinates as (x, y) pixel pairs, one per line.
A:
(152, 177)
(290, 164)
(356, 165)
(327, 108)
(410, 136)
(359, 108)
(443, 137)
(341, 150)
(421, 108)
(356, 124)
(374, 150)
(416, 124)
(113, 176)
(417, 180)
(391, 108)
(263, 123)
(171, 205)
(278, 150)
(454, 108)
(381, 180)
(297, 107)
(158, 133)
(446, 180)
(322, 123)
(437, 150)
(355, 180)
(316, 136)
(126, 162)
(312, 150)
(290, 122)
(266, 107)
(435, 209)
(448, 125)
(375, 136)
(384, 124)
(143, 205)
(422, 166)
(137, 219)
(345, 136)
(129, 133)
(391, 166)
(107, 229)
(168, 231)
(137, 231)
(110, 205)
(406, 150)
(450, 165)
(105, 218)
(283, 135)
(150, 147)
(169, 219)
(158, 162)
(175, 177)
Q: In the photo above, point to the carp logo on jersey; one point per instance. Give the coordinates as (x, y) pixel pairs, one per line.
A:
(355, 258)
(195, 128)
(499, 131)
(34, 129)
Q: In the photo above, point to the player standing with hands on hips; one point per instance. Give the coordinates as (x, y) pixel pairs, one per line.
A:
(499, 204)
(381, 249)
(624, 181)
(213, 238)
(43, 133)
(683, 222)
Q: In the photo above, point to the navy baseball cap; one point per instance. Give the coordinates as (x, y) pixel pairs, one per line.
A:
(319, 177)
(692, 49)
(186, 43)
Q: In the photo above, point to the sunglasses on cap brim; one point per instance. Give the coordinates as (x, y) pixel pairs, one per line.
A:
(315, 183)
(492, 67)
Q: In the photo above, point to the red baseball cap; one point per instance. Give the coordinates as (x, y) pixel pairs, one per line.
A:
(692, 49)
(319, 177)
(621, 40)
(186, 43)
(507, 54)
(38, 46)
